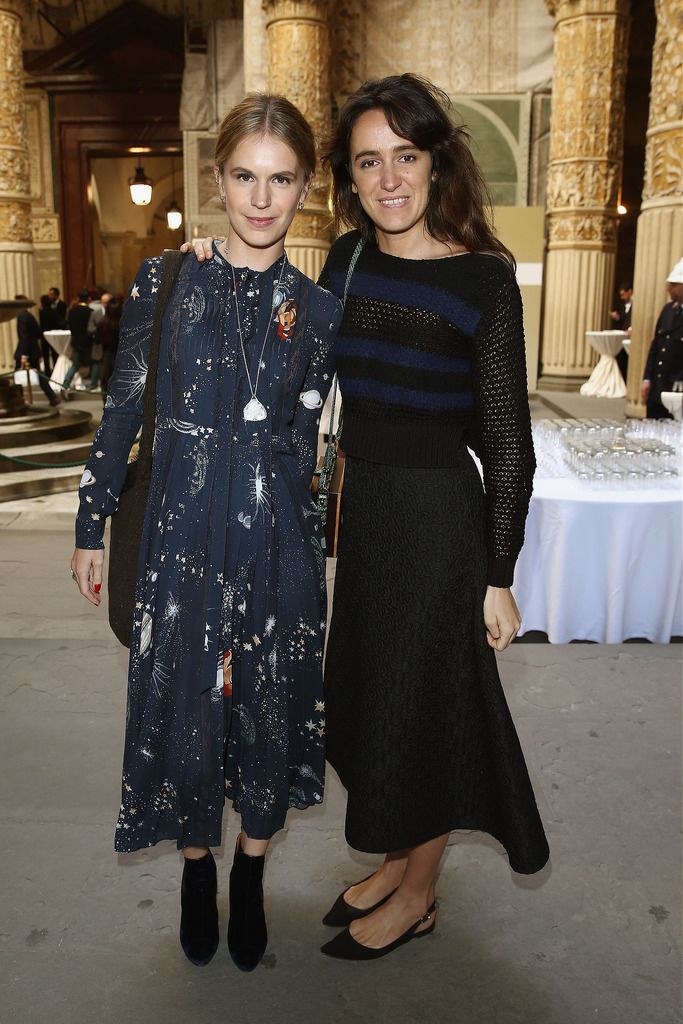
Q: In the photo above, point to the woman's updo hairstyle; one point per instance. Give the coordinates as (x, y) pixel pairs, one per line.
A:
(459, 206)
(261, 114)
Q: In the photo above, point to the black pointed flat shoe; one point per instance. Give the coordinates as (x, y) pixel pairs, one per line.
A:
(342, 913)
(345, 947)
(198, 911)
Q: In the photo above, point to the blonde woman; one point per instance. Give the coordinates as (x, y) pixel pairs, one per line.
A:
(225, 680)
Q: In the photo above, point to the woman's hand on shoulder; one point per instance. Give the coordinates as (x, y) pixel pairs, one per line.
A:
(86, 570)
(202, 247)
(501, 617)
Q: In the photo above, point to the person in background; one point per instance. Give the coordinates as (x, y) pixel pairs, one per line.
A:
(621, 318)
(48, 322)
(28, 347)
(622, 315)
(107, 337)
(664, 366)
(58, 307)
(98, 303)
(81, 323)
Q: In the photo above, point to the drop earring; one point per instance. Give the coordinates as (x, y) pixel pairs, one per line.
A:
(300, 204)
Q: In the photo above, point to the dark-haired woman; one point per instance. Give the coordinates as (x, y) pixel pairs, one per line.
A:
(430, 359)
(225, 676)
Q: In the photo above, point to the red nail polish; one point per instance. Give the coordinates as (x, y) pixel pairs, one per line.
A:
(97, 588)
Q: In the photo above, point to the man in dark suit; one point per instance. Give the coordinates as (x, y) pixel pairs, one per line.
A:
(58, 307)
(622, 321)
(28, 346)
(52, 318)
(664, 366)
(622, 315)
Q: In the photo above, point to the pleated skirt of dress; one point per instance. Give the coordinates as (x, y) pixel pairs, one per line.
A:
(418, 728)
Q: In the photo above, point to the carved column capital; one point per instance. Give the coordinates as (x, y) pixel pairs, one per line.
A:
(294, 10)
(561, 10)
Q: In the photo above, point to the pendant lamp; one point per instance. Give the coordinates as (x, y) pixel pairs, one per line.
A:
(140, 187)
(174, 215)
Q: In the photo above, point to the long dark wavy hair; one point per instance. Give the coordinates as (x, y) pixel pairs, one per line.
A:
(459, 205)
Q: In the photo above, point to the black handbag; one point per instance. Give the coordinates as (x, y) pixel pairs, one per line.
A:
(128, 520)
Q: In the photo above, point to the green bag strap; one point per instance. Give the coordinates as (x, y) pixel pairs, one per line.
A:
(332, 448)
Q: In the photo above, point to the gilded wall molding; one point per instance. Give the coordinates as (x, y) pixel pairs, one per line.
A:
(45, 230)
(348, 37)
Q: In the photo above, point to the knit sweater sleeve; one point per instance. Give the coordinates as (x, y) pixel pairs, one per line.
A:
(504, 427)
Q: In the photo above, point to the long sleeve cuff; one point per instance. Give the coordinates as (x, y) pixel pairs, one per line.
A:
(87, 536)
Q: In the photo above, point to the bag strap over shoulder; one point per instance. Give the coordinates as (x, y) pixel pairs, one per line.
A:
(349, 274)
(333, 437)
(173, 260)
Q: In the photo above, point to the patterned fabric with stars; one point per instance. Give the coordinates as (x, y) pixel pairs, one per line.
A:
(225, 673)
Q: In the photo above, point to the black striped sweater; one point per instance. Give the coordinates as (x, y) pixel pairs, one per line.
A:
(430, 356)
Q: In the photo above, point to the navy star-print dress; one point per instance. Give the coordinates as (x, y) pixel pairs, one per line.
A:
(225, 674)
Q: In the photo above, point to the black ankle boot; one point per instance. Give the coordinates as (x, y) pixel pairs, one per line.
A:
(199, 914)
(247, 932)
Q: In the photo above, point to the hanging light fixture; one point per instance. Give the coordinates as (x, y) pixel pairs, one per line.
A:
(140, 187)
(174, 215)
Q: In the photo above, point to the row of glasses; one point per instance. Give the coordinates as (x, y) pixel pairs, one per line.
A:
(621, 459)
(610, 451)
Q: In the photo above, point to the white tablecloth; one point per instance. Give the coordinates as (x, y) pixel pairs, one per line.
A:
(606, 381)
(602, 564)
(673, 401)
(60, 342)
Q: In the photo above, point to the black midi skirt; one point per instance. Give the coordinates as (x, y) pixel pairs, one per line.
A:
(418, 728)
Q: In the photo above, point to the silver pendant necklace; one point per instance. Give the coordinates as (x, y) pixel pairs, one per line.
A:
(254, 410)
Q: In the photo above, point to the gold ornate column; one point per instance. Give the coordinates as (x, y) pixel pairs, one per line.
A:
(16, 245)
(299, 68)
(659, 241)
(584, 174)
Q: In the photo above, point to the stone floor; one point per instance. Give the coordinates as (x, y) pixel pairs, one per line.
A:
(86, 936)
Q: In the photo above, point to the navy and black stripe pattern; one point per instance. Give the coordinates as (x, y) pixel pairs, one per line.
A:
(430, 354)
